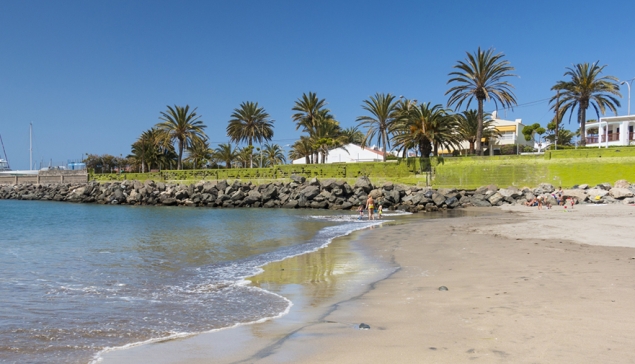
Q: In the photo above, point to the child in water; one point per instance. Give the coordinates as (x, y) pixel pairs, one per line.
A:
(360, 209)
(379, 211)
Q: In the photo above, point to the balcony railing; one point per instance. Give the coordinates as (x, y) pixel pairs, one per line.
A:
(613, 137)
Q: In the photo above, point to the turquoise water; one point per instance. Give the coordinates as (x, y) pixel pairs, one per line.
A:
(77, 278)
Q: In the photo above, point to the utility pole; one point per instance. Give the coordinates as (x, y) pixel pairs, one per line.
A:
(30, 146)
(555, 140)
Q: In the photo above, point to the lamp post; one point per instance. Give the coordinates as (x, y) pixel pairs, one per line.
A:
(628, 83)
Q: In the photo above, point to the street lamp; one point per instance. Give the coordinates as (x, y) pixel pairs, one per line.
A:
(628, 83)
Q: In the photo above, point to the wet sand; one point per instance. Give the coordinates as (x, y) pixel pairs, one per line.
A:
(524, 286)
(314, 282)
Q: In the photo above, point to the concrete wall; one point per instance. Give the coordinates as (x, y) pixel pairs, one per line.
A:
(47, 177)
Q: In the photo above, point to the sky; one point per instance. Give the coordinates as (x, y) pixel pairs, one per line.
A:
(91, 76)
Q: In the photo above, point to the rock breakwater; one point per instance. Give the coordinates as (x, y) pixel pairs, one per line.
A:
(312, 193)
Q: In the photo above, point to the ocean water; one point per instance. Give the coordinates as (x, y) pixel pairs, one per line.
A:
(78, 279)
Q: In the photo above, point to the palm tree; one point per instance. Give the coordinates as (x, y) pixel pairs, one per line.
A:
(383, 108)
(302, 148)
(199, 153)
(144, 150)
(250, 123)
(586, 88)
(183, 126)
(310, 113)
(149, 149)
(245, 155)
(468, 127)
(353, 135)
(481, 77)
(308, 109)
(426, 127)
(225, 154)
(273, 154)
(328, 136)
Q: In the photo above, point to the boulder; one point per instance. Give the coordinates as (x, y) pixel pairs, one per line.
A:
(478, 196)
(168, 201)
(252, 197)
(364, 184)
(376, 193)
(583, 186)
(547, 187)
(393, 196)
(328, 184)
(577, 194)
(483, 189)
(298, 179)
(593, 192)
(511, 192)
(309, 192)
(269, 192)
(388, 186)
(604, 186)
(495, 198)
(237, 196)
(447, 192)
(291, 204)
(481, 203)
(438, 199)
(622, 183)
(314, 182)
(619, 193)
(452, 202)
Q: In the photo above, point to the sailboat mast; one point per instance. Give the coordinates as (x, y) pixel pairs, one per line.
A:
(30, 145)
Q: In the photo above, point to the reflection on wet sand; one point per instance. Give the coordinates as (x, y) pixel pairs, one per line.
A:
(314, 282)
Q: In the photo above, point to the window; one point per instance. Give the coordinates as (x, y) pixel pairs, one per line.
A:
(507, 136)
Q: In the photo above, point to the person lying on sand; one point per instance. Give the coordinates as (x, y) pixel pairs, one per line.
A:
(532, 203)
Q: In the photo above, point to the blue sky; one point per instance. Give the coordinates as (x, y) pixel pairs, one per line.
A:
(93, 75)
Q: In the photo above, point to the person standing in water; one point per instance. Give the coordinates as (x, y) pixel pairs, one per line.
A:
(370, 205)
(379, 211)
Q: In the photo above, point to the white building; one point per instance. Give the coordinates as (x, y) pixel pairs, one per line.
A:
(613, 130)
(511, 131)
(351, 153)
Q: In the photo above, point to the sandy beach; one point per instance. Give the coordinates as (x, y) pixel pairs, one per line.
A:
(524, 286)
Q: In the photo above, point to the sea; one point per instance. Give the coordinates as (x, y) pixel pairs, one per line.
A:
(77, 280)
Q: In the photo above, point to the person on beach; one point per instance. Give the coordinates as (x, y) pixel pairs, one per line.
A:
(370, 205)
(558, 197)
(539, 202)
(379, 211)
(572, 201)
(532, 203)
(360, 210)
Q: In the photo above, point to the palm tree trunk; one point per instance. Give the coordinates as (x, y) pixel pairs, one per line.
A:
(479, 128)
(179, 166)
(251, 155)
(582, 120)
(384, 137)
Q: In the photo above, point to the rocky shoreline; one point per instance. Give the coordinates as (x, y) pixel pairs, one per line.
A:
(302, 193)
